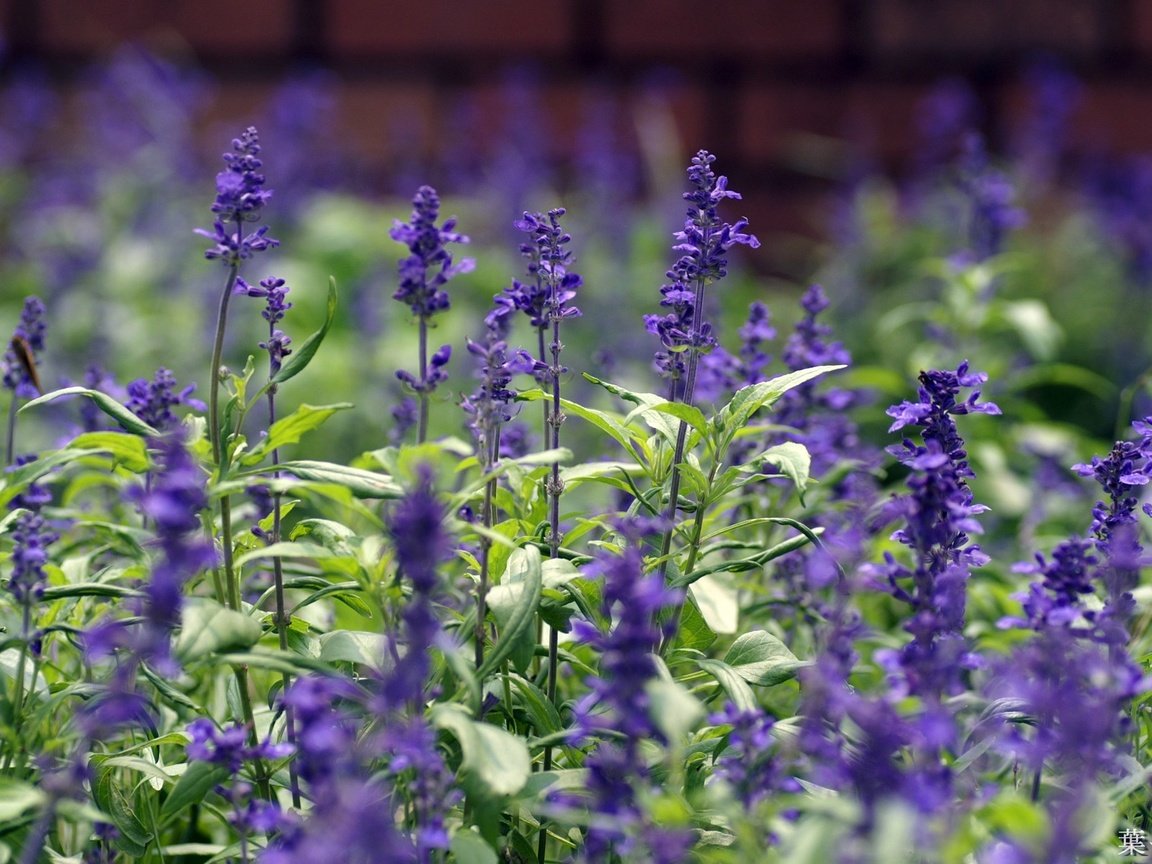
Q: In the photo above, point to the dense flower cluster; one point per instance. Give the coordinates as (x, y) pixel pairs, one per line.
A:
(991, 199)
(704, 243)
(428, 266)
(23, 352)
(490, 405)
(552, 284)
(31, 537)
(172, 503)
(240, 198)
(153, 401)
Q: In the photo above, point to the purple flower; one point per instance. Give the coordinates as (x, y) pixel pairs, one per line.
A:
(31, 538)
(991, 197)
(275, 294)
(428, 266)
(240, 198)
(172, 504)
(229, 747)
(23, 352)
(490, 405)
(704, 243)
(153, 401)
(436, 375)
(552, 284)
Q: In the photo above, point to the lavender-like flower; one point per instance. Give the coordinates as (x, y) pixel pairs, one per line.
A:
(240, 198)
(939, 515)
(23, 352)
(153, 401)
(172, 504)
(991, 198)
(229, 747)
(423, 275)
(618, 701)
(274, 293)
(31, 538)
(704, 242)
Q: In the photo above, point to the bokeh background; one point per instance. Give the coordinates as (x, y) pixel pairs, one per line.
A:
(844, 123)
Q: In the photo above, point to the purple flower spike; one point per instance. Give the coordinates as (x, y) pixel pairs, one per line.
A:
(428, 266)
(23, 352)
(240, 198)
(153, 401)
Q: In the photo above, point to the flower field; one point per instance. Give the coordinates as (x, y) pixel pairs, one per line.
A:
(357, 531)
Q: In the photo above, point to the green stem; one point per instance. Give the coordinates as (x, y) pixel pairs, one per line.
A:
(422, 428)
(18, 692)
(673, 618)
(11, 452)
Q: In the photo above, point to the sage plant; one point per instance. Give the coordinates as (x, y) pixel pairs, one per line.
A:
(423, 275)
(684, 334)
(20, 363)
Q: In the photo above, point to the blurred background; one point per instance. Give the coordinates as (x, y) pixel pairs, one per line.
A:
(872, 140)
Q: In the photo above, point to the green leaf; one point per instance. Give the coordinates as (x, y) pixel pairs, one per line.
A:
(468, 847)
(748, 400)
(732, 682)
(794, 462)
(694, 631)
(285, 549)
(105, 403)
(497, 761)
(17, 798)
(760, 658)
(208, 627)
(364, 484)
(88, 589)
(601, 420)
(302, 355)
(133, 837)
(355, 646)
(287, 430)
(673, 709)
(193, 786)
(513, 603)
(276, 660)
(128, 450)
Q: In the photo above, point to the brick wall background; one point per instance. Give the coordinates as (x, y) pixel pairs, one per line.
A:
(769, 85)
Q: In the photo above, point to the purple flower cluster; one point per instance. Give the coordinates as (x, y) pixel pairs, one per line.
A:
(704, 243)
(23, 352)
(991, 198)
(229, 747)
(31, 538)
(275, 295)
(749, 763)
(1121, 474)
(153, 401)
(240, 198)
(428, 266)
(618, 701)
(172, 503)
(939, 515)
(490, 405)
(552, 284)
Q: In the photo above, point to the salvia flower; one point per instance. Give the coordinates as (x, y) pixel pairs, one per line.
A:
(1121, 474)
(275, 293)
(552, 284)
(240, 198)
(429, 265)
(229, 747)
(991, 199)
(23, 352)
(153, 401)
(703, 244)
(172, 504)
(490, 406)
(31, 537)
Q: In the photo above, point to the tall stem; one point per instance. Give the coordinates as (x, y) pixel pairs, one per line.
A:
(422, 428)
(215, 433)
(10, 456)
(281, 617)
(18, 693)
(491, 449)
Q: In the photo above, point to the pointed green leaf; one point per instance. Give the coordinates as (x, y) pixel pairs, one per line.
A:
(363, 484)
(287, 430)
(193, 786)
(748, 400)
(513, 603)
(496, 760)
(17, 798)
(207, 627)
(794, 462)
(734, 685)
(128, 450)
(285, 549)
(105, 403)
(760, 658)
(355, 646)
(468, 847)
(299, 359)
(601, 420)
